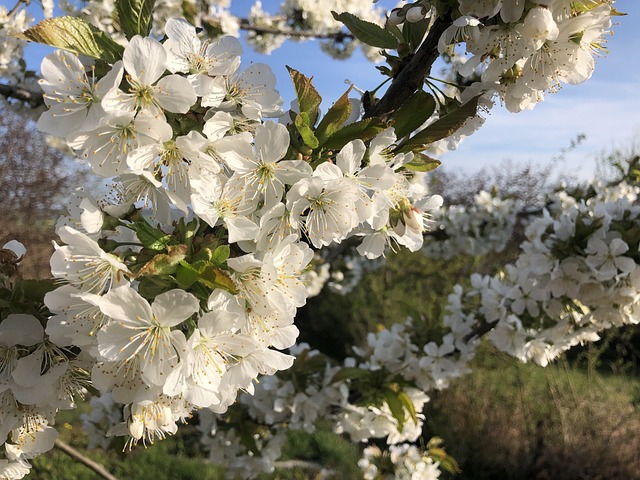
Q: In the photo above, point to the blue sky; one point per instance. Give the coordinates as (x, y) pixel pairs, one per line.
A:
(606, 108)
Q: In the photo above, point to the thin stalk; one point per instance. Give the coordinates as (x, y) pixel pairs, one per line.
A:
(87, 462)
(17, 6)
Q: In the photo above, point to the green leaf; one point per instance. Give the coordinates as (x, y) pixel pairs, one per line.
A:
(135, 16)
(305, 131)
(186, 275)
(350, 373)
(367, 32)
(151, 287)
(413, 113)
(447, 462)
(220, 255)
(408, 406)
(395, 405)
(35, 290)
(422, 163)
(364, 130)
(151, 237)
(414, 33)
(185, 232)
(308, 97)
(441, 128)
(214, 277)
(164, 263)
(75, 35)
(335, 118)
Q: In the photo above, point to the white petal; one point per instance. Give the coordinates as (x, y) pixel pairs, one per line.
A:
(272, 141)
(126, 305)
(144, 59)
(174, 307)
(351, 156)
(21, 329)
(175, 94)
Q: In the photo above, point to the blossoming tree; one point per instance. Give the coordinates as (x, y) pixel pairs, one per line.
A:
(177, 291)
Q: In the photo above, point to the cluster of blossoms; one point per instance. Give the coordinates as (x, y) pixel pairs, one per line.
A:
(400, 462)
(11, 47)
(521, 50)
(181, 287)
(484, 227)
(577, 275)
(317, 389)
(248, 439)
(309, 19)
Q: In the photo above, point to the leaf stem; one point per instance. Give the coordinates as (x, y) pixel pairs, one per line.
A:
(446, 82)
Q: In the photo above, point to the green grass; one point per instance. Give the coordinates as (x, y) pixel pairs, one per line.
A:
(513, 421)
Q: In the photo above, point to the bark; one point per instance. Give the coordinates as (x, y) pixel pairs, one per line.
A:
(412, 76)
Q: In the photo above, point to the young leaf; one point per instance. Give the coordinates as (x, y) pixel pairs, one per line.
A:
(441, 128)
(350, 373)
(164, 263)
(220, 255)
(305, 132)
(395, 405)
(151, 237)
(364, 130)
(135, 16)
(308, 97)
(422, 163)
(367, 32)
(77, 36)
(413, 113)
(187, 275)
(408, 406)
(335, 118)
(214, 277)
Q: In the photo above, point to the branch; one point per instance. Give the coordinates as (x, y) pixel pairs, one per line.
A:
(33, 99)
(246, 25)
(76, 455)
(412, 76)
(303, 464)
(17, 6)
(480, 331)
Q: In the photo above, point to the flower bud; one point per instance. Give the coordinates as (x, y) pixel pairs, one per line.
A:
(539, 25)
(136, 429)
(396, 17)
(415, 14)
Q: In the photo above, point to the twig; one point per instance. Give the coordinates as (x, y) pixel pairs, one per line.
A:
(34, 99)
(76, 455)
(299, 464)
(480, 331)
(339, 36)
(412, 76)
(17, 7)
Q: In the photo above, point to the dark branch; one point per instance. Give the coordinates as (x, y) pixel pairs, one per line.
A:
(33, 99)
(480, 331)
(338, 36)
(412, 76)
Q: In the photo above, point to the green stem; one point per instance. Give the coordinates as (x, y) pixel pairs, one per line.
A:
(446, 82)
